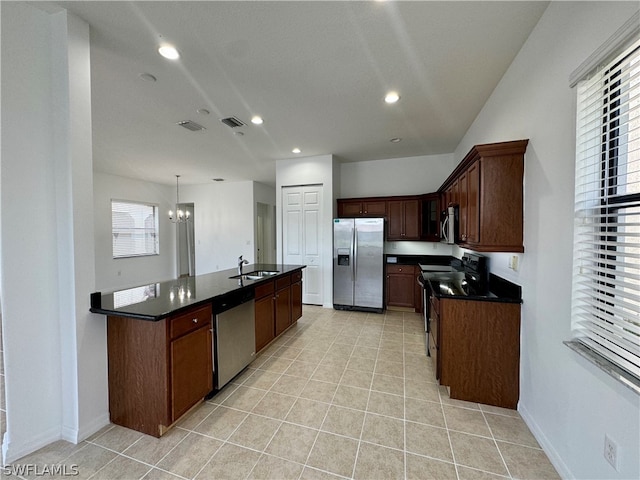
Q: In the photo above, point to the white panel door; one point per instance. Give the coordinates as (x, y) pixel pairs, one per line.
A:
(301, 237)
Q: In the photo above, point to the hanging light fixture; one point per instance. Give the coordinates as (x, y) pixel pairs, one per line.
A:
(180, 216)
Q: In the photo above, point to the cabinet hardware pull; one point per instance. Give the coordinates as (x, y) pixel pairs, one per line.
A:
(194, 320)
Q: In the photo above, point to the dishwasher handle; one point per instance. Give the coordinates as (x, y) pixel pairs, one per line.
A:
(232, 299)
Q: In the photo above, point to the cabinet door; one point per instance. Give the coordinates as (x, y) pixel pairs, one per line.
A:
(349, 208)
(396, 219)
(375, 208)
(431, 218)
(265, 321)
(411, 214)
(296, 301)
(462, 201)
(401, 286)
(283, 309)
(191, 370)
(473, 203)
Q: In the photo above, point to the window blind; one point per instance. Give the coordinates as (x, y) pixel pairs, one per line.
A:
(606, 286)
(134, 229)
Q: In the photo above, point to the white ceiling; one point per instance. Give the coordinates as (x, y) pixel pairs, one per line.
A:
(316, 71)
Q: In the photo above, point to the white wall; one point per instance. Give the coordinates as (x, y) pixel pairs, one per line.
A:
(54, 349)
(398, 176)
(569, 403)
(318, 170)
(112, 274)
(224, 223)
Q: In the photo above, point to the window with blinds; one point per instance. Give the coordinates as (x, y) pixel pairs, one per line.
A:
(134, 228)
(606, 294)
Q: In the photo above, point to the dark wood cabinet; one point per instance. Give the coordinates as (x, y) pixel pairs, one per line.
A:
(488, 187)
(404, 219)
(430, 210)
(478, 350)
(362, 207)
(283, 304)
(265, 314)
(296, 295)
(401, 286)
(158, 370)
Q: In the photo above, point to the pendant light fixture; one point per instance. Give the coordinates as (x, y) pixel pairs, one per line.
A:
(180, 216)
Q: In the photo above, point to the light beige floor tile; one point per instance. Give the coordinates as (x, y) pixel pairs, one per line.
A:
(415, 348)
(288, 351)
(339, 349)
(157, 474)
(327, 373)
(421, 390)
(414, 338)
(335, 361)
(223, 394)
(262, 379)
(311, 356)
(301, 369)
(388, 367)
(477, 452)
(420, 411)
(310, 473)
(386, 404)
(274, 405)
(379, 463)
(244, 398)
(499, 410)
(151, 449)
(243, 376)
(230, 462)
(319, 391)
(89, 460)
(122, 468)
(365, 352)
(289, 385)
(334, 454)
(466, 473)
(55, 451)
(362, 363)
(276, 364)
(511, 429)
(343, 421)
(389, 336)
(193, 418)
(292, 442)
(356, 378)
(370, 342)
(428, 441)
(308, 413)
(270, 468)
(118, 438)
(190, 455)
(466, 420)
(255, 432)
(422, 468)
(446, 400)
(385, 431)
(416, 372)
(387, 384)
(221, 422)
(347, 339)
(527, 463)
(351, 397)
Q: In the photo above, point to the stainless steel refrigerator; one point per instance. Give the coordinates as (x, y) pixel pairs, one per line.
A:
(358, 264)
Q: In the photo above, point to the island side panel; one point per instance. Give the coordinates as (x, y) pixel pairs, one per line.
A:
(138, 374)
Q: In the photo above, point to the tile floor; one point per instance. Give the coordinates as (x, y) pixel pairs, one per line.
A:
(339, 395)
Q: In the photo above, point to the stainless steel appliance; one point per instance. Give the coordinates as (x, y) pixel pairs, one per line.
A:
(449, 227)
(234, 340)
(358, 269)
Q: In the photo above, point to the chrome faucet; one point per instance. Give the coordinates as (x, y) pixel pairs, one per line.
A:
(240, 263)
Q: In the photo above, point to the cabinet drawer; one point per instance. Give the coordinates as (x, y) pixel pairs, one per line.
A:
(283, 282)
(190, 320)
(264, 289)
(392, 268)
(296, 276)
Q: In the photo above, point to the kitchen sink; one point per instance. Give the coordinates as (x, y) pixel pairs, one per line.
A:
(256, 275)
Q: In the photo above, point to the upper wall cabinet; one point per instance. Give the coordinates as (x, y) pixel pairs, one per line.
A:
(362, 207)
(488, 187)
(404, 218)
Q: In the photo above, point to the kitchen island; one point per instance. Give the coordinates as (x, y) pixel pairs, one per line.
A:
(166, 341)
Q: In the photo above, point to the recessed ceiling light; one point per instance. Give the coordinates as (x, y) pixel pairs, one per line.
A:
(169, 52)
(395, 140)
(218, 179)
(203, 111)
(257, 120)
(392, 97)
(296, 150)
(148, 77)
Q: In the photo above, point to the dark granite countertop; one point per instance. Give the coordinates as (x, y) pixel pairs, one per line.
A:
(156, 301)
(449, 285)
(419, 259)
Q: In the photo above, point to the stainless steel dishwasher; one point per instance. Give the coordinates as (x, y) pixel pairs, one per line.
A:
(234, 335)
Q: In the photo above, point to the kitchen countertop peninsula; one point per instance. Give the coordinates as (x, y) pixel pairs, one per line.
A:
(156, 301)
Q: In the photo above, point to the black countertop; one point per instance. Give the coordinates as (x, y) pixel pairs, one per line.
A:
(452, 285)
(419, 259)
(156, 301)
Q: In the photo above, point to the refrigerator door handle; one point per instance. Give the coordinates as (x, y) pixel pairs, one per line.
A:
(355, 254)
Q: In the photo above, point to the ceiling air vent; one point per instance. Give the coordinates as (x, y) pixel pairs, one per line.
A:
(190, 125)
(232, 122)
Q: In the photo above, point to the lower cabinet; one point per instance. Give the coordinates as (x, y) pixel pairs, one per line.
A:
(158, 370)
(401, 287)
(278, 305)
(478, 351)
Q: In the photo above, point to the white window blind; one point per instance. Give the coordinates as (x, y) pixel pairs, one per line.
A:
(606, 293)
(134, 229)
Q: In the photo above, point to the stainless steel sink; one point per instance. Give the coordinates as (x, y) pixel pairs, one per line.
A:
(256, 275)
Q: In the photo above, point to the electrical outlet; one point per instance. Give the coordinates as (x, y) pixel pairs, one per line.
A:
(513, 262)
(611, 452)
